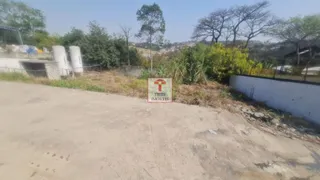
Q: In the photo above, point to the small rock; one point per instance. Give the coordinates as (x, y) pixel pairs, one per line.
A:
(237, 107)
(251, 118)
(244, 132)
(275, 121)
(306, 130)
(247, 111)
(267, 118)
(311, 137)
(258, 115)
(212, 131)
(292, 130)
(283, 126)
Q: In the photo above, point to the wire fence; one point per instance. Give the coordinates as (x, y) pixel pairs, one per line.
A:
(304, 72)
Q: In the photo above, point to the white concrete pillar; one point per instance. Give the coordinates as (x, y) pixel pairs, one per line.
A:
(76, 59)
(60, 56)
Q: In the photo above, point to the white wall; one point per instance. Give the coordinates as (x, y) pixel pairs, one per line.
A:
(16, 65)
(60, 56)
(76, 59)
(11, 65)
(300, 99)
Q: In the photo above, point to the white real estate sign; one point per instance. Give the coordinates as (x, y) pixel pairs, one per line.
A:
(160, 90)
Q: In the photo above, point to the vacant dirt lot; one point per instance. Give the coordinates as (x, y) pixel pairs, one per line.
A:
(63, 134)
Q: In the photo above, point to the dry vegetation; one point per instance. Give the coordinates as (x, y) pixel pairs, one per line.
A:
(211, 94)
(146, 52)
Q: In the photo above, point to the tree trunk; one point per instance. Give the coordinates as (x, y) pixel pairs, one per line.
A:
(128, 52)
(234, 38)
(247, 42)
(212, 40)
(216, 39)
(227, 39)
(306, 73)
(298, 54)
(150, 58)
(307, 65)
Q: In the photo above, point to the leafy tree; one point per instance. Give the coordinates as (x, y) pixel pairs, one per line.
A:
(42, 39)
(125, 53)
(297, 30)
(120, 45)
(135, 57)
(152, 24)
(20, 15)
(73, 37)
(99, 48)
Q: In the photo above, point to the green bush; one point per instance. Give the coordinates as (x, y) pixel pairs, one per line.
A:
(196, 64)
(145, 74)
(224, 62)
(99, 48)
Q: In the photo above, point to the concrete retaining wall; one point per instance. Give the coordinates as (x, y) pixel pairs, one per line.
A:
(16, 65)
(300, 99)
(53, 71)
(11, 65)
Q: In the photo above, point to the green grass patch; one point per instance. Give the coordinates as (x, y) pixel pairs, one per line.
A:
(75, 84)
(15, 77)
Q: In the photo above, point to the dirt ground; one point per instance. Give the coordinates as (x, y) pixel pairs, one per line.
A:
(62, 134)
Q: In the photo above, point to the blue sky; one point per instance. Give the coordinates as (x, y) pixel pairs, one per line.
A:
(181, 15)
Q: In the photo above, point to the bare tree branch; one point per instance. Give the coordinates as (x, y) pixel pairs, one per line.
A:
(212, 26)
(258, 24)
(244, 13)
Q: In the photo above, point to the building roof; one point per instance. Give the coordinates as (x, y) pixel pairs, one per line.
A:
(303, 51)
(317, 68)
(8, 28)
(283, 68)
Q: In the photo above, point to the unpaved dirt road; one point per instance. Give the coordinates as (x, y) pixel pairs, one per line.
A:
(62, 134)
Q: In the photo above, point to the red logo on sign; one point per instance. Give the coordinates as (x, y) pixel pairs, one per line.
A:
(160, 82)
